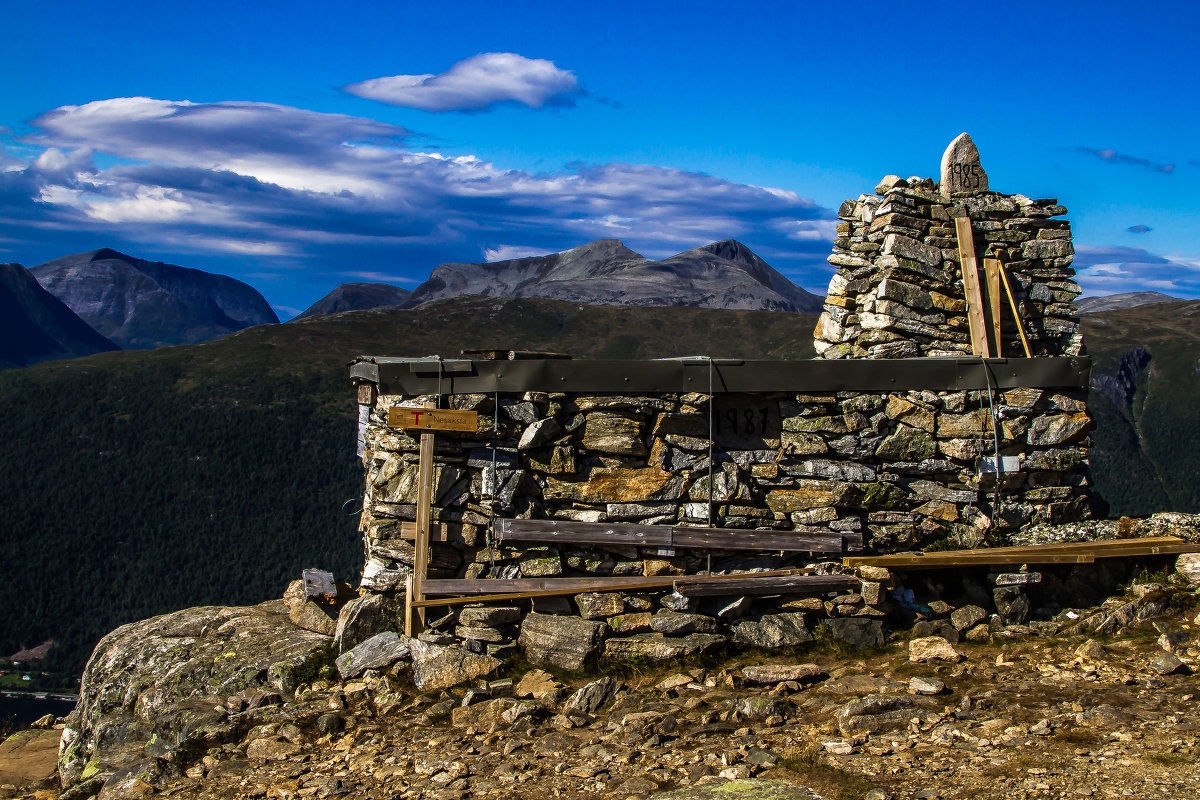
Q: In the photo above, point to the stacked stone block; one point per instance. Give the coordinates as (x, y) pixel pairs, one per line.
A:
(898, 292)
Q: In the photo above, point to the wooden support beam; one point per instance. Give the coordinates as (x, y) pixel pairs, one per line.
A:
(443, 586)
(741, 539)
(558, 530)
(697, 537)
(789, 581)
(1012, 302)
(783, 584)
(421, 544)
(599, 583)
(991, 273)
(1068, 553)
(409, 605)
(970, 279)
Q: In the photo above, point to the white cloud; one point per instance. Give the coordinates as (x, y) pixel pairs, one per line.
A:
(1115, 270)
(476, 84)
(382, 277)
(333, 193)
(506, 252)
(148, 204)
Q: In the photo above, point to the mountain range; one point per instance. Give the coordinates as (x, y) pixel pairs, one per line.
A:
(140, 304)
(724, 274)
(1115, 302)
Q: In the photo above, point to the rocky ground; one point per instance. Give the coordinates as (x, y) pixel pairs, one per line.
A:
(1096, 703)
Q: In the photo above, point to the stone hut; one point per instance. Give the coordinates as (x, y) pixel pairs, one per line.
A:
(897, 438)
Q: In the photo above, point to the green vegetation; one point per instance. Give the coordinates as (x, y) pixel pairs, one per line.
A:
(1146, 453)
(141, 482)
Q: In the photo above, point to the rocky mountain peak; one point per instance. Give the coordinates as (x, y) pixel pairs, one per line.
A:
(36, 326)
(357, 297)
(138, 303)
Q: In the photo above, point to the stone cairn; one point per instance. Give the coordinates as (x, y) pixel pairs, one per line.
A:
(898, 288)
(894, 471)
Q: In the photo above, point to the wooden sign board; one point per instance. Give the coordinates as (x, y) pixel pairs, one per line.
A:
(433, 419)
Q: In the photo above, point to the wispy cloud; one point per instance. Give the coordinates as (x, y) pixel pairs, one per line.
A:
(477, 84)
(346, 196)
(382, 277)
(1139, 229)
(505, 252)
(1112, 270)
(1113, 157)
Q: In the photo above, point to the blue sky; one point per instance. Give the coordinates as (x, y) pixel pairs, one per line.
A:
(297, 146)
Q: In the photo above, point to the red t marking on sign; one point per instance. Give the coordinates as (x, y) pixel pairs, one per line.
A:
(417, 417)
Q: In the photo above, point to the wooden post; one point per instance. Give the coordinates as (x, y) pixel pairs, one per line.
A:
(408, 604)
(1012, 301)
(424, 510)
(970, 278)
(991, 272)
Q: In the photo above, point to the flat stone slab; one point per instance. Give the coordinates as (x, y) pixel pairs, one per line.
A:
(778, 673)
(29, 757)
(746, 789)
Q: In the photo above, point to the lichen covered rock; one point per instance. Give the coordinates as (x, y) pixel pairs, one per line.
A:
(161, 685)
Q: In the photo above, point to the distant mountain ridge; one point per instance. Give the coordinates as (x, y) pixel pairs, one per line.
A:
(1116, 302)
(142, 304)
(724, 274)
(357, 297)
(36, 326)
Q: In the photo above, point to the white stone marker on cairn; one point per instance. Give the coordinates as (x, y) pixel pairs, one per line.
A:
(961, 171)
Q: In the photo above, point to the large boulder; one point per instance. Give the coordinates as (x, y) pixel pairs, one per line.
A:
(160, 686)
(1187, 569)
(875, 713)
(436, 666)
(771, 631)
(362, 618)
(656, 647)
(859, 633)
(744, 789)
(29, 758)
(381, 650)
(313, 616)
(564, 642)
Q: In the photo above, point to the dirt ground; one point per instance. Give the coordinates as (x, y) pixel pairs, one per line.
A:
(1031, 712)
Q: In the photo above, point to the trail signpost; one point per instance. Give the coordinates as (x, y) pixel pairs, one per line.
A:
(433, 419)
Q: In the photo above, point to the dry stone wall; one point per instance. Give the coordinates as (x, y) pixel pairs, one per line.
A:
(892, 471)
(898, 288)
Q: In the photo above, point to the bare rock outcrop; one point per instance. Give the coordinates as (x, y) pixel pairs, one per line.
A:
(157, 688)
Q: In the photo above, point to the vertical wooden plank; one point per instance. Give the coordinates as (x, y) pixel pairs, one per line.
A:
(424, 511)
(1012, 301)
(408, 605)
(970, 277)
(991, 272)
